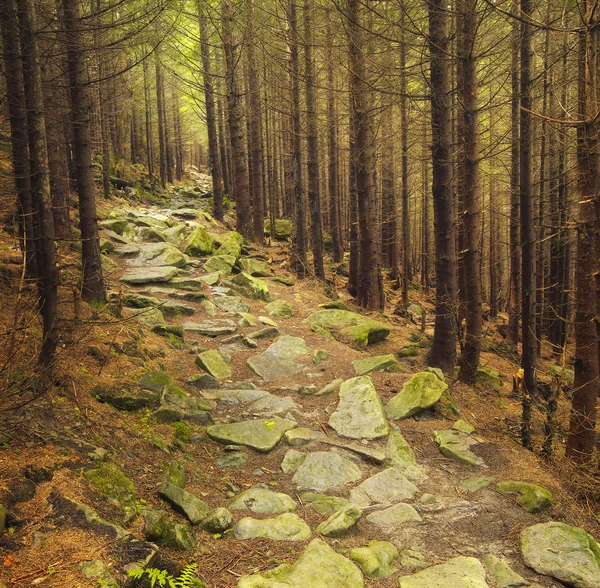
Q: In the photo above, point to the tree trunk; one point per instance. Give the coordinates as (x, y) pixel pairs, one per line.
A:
(160, 115)
(514, 308)
(17, 111)
(241, 188)
(93, 283)
(211, 120)
(406, 245)
(335, 221)
(469, 361)
(47, 273)
(389, 221)
(148, 117)
(255, 135)
(443, 348)
(223, 148)
(369, 292)
(314, 190)
(299, 206)
(582, 429)
(529, 349)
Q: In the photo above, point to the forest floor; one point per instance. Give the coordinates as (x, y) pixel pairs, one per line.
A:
(53, 431)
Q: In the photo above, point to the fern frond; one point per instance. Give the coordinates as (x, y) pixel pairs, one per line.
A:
(186, 577)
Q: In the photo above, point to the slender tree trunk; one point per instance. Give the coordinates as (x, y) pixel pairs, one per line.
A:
(255, 135)
(335, 221)
(178, 135)
(241, 188)
(469, 361)
(93, 283)
(211, 120)
(223, 148)
(389, 222)
(529, 350)
(425, 250)
(300, 210)
(582, 429)
(370, 283)
(314, 189)
(406, 237)
(514, 308)
(353, 269)
(160, 115)
(443, 349)
(148, 117)
(47, 273)
(17, 110)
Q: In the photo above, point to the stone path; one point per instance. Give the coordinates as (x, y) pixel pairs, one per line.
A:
(349, 472)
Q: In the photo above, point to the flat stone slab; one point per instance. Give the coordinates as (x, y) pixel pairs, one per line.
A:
(386, 487)
(279, 359)
(261, 434)
(377, 363)
(147, 275)
(460, 572)
(188, 504)
(272, 404)
(566, 553)
(456, 445)
(394, 516)
(284, 527)
(231, 303)
(264, 501)
(423, 390)
(234, 396)
(348, 326)
(400, 455)
(359, 414)
(212, 362)
(503, 575)
(211, 328)
(322, 470)
(319, 566)
(159, 254)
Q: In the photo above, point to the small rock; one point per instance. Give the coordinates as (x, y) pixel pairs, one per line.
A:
(261, 434)
(321, 503)
(476, 483)
(388, 487)
(394, 516)
(320, 355)
(21, 490)
(423, 390)
(264, 501)
(232, 460)
(531, 497)
(340, 521)
(173, 473)
(460, 572)
(115, 486)
(376, 559)
(284, 527)
(503, 576)
(279, 359)
(212, 361)
(218, 521)
(279, 309)
(188, 504)
(330, 388)
(292, 461)
(322, 470)
(377, 363)
(456, 445)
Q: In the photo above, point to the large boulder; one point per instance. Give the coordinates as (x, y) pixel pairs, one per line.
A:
(322, 470)
(423, 390)
(147, 275)
(360, 413)
(260, 434)
(460, 572)
(348, 326)
(319, 566)
(284, 527)
(279, 359)
(283, 229)
(231, 245)
(569, 554)
(532, 498)
(251, 287)
(198, 243)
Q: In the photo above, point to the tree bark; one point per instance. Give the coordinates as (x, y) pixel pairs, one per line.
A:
(241, 188)
(469, 361)
(369, 292)
(148, 118)
(443, 347)
(407, 270)
(17, 111)
(528, 278)
(93, 284)
(255, 135)
(160, 115)
(47, 271)
(299, 206)
(514, 308)
(335, 221)
(211, 120)
(582, 429)
(314, 190)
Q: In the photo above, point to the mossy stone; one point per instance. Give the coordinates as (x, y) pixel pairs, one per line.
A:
(115, 486)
